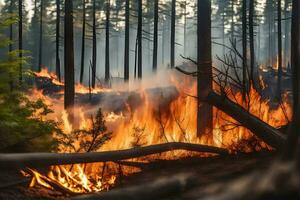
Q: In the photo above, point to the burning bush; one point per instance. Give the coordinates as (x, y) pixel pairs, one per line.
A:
(86, 140)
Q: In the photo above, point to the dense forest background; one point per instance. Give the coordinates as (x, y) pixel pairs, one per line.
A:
(99, 33)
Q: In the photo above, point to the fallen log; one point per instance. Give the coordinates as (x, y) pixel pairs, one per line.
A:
(262, 130)
(35, 160)
(112, 101)
(163, 187)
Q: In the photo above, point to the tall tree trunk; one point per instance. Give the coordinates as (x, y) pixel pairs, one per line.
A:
(232, 19)
(204, 59)
(20, 39)
(126, 50)
(41, 35)
(279, 38)
(223, 30)
(163, 42)
(107, 67)
(94, 56)
(287, 34)
(58, 39)
(185, 28)
(69, 60)
(83, 41)
(173, 19)
(244, 44)
(251, 34)
(10, 47)
(140, 34)
(155, 35)
(147, 61)
(292, 141)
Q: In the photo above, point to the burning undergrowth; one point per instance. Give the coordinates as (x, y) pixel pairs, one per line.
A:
(139, 117)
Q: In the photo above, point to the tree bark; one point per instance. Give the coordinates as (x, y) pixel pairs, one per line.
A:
(10, 47)
(41, 35)
(35, 160)
(107, 67)
(185, 28)
(244, 44)
(155, 35)
(83, 41)
(58, 74)
(20, 39)
(262, 130)
(279, 38)
(94, 54)
(290, 151)
(204, 59)
(126, 50)
(139, 38)
(251, 34)
(69, 59)
(173, 33)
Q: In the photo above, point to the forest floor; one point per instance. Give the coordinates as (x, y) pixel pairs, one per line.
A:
(208, 171)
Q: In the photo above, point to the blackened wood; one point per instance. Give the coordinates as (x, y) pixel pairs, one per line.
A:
(83, 41)
(69, 59)
(34, 160)
(204, 60)
(126, 50)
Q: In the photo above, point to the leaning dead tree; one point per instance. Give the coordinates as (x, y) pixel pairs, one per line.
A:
(224, 80)
(35, 160)
(262, 130)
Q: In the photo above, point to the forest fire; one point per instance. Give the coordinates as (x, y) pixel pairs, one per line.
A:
(149, 99)
(148, 124)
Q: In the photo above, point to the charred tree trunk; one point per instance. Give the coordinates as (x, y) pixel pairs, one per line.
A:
(69, 59)
(94, 54)
(265, 132)
(251, 34)
(107, 67)
(279, 38)
(83, 41)
(295, 61)
(41, 35)
(20, 39)
(155, 35)
(286, 36)
(58, 39)
(173, 29)
(244, 44)
(126, 50)
(139, 38)
(204, 59)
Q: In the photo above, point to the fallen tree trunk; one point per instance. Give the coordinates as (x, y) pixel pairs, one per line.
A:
(112, 101)
(35, 160)
(163, 187)
(262, 130)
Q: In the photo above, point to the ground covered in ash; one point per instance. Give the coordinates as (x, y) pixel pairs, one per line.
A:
(211, 171)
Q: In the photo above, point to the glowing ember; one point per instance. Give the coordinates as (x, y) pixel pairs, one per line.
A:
(74, 179)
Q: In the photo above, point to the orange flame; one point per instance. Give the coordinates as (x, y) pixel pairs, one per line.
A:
(151, 124)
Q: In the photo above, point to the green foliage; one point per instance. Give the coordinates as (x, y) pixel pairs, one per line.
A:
(22, 122)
